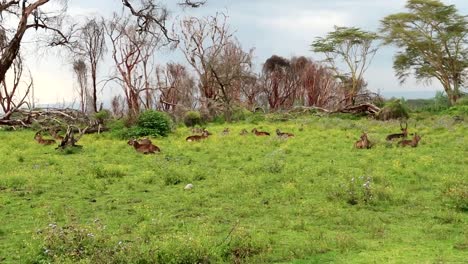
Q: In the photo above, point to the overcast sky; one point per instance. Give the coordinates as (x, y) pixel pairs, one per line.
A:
(281, 27)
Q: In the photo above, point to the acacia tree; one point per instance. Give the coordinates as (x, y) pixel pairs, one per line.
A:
(433, 42)
(355, 49)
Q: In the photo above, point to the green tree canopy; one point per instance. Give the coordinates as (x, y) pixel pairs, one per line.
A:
(353, 47)
(433, 43)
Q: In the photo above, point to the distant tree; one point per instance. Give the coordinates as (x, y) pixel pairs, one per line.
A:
(353, 47)
(279, 83)
(176, 87)
(218, 60)
(80, 70)
(92, 47)
(433, 42)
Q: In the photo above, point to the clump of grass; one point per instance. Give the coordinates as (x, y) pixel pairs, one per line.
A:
(104, 173)
(457, 195)
(355, 191)
(240, 247)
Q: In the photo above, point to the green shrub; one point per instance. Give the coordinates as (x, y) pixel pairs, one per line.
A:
(192, 118)
(151, 123)
(457, 194)
(102, 116)
(393, 110)
(240, 114)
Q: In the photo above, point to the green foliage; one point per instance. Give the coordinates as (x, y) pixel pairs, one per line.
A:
(192, 118)
(253, 199)
(430, 32)
(151, 123)
(102, 116)
(352, 46)
(240, 114)
(395, 109)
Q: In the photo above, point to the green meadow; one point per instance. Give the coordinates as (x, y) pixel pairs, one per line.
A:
(308, 199)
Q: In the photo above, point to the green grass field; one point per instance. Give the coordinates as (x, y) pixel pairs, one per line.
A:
(308, 199)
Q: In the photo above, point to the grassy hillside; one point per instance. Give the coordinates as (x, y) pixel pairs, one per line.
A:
(308, 199)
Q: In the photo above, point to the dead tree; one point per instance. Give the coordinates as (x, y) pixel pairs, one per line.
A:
(69, 140)
(28, 17)
(14, 92)
(91, 47)
(176, 87)
(80, 69)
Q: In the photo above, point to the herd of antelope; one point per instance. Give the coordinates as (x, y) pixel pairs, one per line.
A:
(146, 146)
(364, 142)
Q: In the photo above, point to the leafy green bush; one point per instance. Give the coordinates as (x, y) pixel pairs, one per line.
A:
(240, 114)
(151, 123)
(192, 118)
(102, 116)
(393, 110)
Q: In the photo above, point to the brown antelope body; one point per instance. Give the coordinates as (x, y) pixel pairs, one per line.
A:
(204, 135)
(363, 143)
(144, 141)
(413, 143)
(40, 140)
(283, 134)
(260, 133)
(144, 148)
(404, 133)
(244, 132)
(53, 133)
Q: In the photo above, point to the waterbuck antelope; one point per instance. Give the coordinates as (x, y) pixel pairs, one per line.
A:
(404, 133)
(244, 132)
(40, 140)
(363, 143)
(283, 134)
(260, 133)
(413, 142)
(144, 148)
(204, 135)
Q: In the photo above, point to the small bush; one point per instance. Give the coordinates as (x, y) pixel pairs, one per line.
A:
(192, 118)
(355, 191)
(102, 173)
(393, 110)
(240, 114)
(102, 116)
(151, 123)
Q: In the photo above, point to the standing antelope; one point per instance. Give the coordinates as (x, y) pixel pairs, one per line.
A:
(40, 140)
(260, 133)
(204, 135)
(144, 148)
(283, 134)
(363, 143)
(413, 143)
(404, 133)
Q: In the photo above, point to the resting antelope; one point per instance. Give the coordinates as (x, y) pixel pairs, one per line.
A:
(144, 141)
(404, 133)
(204, 135)
(283, 134)
(40, 140)
(226, 131)
(53, 133)
(144, 148)
(413, 143)
(260, 133)
(363, 143)
(244, 132)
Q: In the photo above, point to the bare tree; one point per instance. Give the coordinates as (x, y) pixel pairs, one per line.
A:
(14, 92)
(176, 87)
(23, 10)
(91, 48)
(80, 69)
(279, 83)
(218, 60)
